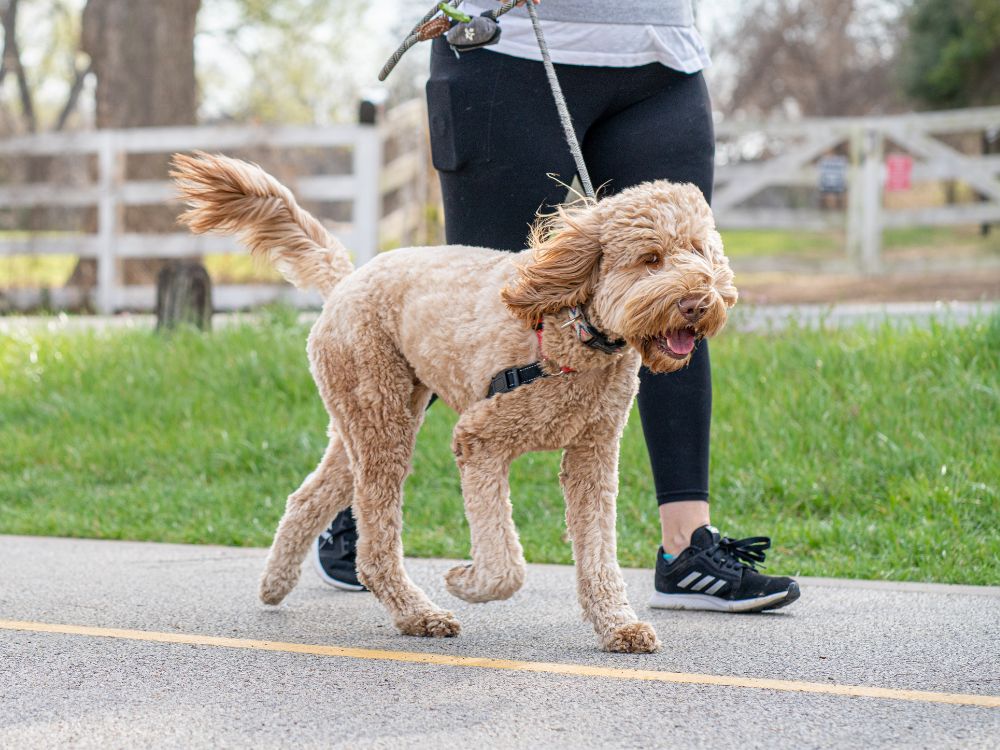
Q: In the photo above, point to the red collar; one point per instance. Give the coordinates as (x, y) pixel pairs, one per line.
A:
(539, 327)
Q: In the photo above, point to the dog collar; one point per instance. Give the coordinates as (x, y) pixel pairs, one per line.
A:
(589, 335)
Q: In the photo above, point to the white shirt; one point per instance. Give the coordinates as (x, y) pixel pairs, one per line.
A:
(600, 44)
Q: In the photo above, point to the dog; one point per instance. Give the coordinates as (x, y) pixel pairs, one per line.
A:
(637, 277)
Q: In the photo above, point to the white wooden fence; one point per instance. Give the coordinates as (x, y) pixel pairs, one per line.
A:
(754, 158)
(369, 181)
(791, 152)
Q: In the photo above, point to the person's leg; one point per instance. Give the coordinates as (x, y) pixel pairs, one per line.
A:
(495, 139)
(661, 128)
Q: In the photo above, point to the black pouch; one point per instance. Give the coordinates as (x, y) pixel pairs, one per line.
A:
(481, 31)
(444, 149)
(460, 106)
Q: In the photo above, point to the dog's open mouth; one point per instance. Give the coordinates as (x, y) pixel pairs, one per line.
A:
(677, 344)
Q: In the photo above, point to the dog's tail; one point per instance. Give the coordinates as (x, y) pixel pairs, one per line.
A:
(230, 196)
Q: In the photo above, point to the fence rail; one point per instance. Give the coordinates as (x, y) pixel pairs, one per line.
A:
(370, 180)
(865, 141)
(386, 187)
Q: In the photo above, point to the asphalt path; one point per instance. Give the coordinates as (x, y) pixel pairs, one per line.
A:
(122, 644)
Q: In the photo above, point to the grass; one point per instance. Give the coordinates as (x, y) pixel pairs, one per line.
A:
(903, 238)
(762, 243)
(863, 454)
(53, 271)
(35, 271)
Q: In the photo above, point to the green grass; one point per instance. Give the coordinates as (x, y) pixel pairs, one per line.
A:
(760, 243)
(937, 237)
(35, 271)
(53, 271)
(870, 455)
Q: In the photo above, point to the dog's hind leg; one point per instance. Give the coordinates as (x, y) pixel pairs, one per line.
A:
(323, 494)
(380, 427)
(498, 568)
(589, 478)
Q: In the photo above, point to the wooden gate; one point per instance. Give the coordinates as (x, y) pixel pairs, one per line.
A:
(755, 158)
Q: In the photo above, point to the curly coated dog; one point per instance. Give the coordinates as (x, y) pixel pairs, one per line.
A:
(636, 277)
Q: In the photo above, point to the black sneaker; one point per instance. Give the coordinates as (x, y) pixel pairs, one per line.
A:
(718, 573)
(335, 551)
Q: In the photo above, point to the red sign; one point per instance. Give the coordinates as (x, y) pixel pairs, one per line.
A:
(899, 170)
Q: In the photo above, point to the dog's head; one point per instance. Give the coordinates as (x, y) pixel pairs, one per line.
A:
(646, 263)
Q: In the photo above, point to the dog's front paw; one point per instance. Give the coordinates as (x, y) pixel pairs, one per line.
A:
(466, 583)
(276, 584)
(633, 638)
(433, 624)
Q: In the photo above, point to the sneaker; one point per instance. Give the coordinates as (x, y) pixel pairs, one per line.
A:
(335, 551)
(718, 573)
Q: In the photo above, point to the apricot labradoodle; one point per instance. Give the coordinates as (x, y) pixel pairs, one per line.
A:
(636, 277)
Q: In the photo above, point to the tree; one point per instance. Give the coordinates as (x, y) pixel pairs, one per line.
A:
(287, 61)
(12, 63)
(812, 58)
(142, 52)
(952, 55)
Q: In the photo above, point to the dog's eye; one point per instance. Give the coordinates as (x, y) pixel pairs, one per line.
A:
(652, 259)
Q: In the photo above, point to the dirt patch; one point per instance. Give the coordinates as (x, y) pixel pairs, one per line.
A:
(781, 288)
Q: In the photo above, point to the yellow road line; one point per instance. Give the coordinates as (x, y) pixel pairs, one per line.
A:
(446, 660)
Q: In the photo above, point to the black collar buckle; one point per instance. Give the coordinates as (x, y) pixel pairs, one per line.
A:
(589, 335)
(509, 379)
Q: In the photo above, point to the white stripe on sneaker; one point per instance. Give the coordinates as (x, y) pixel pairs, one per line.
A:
(660, 600)
(715, 587)
(327, 579)
(689, 580)
(703, 583)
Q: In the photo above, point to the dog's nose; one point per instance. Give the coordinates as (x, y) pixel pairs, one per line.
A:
(691, 308)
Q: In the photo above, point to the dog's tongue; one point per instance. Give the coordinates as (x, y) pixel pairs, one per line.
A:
(681, 342)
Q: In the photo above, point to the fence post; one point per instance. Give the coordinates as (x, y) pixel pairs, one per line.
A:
(108, 221)
(855, 196)
(367, 168)
(871, 190)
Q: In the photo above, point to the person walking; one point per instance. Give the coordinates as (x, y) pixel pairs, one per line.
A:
(631, 75)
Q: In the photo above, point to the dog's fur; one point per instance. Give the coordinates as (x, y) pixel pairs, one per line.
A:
(445, 320)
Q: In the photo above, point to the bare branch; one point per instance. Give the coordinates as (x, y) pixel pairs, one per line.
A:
(12, 63)
(74, 95)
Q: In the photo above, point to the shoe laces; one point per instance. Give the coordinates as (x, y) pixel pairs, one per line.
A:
(740, 553)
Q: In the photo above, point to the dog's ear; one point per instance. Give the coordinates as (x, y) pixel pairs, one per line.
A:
(563, 268)
(714, 249)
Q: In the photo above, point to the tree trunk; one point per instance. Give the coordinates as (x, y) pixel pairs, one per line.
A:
(183, 296)
(11, 63)
(142, 54)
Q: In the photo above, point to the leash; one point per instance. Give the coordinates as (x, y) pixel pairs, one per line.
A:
(467, 36)
(465, 33)
(430, 27)
(557, 94)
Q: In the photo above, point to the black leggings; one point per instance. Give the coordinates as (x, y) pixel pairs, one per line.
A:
(495, 136)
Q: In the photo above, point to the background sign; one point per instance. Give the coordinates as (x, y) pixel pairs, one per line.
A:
(833, 174)
(899, 170)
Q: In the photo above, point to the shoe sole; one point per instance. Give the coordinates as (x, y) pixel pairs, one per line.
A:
(326, 578)
(709, 603)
